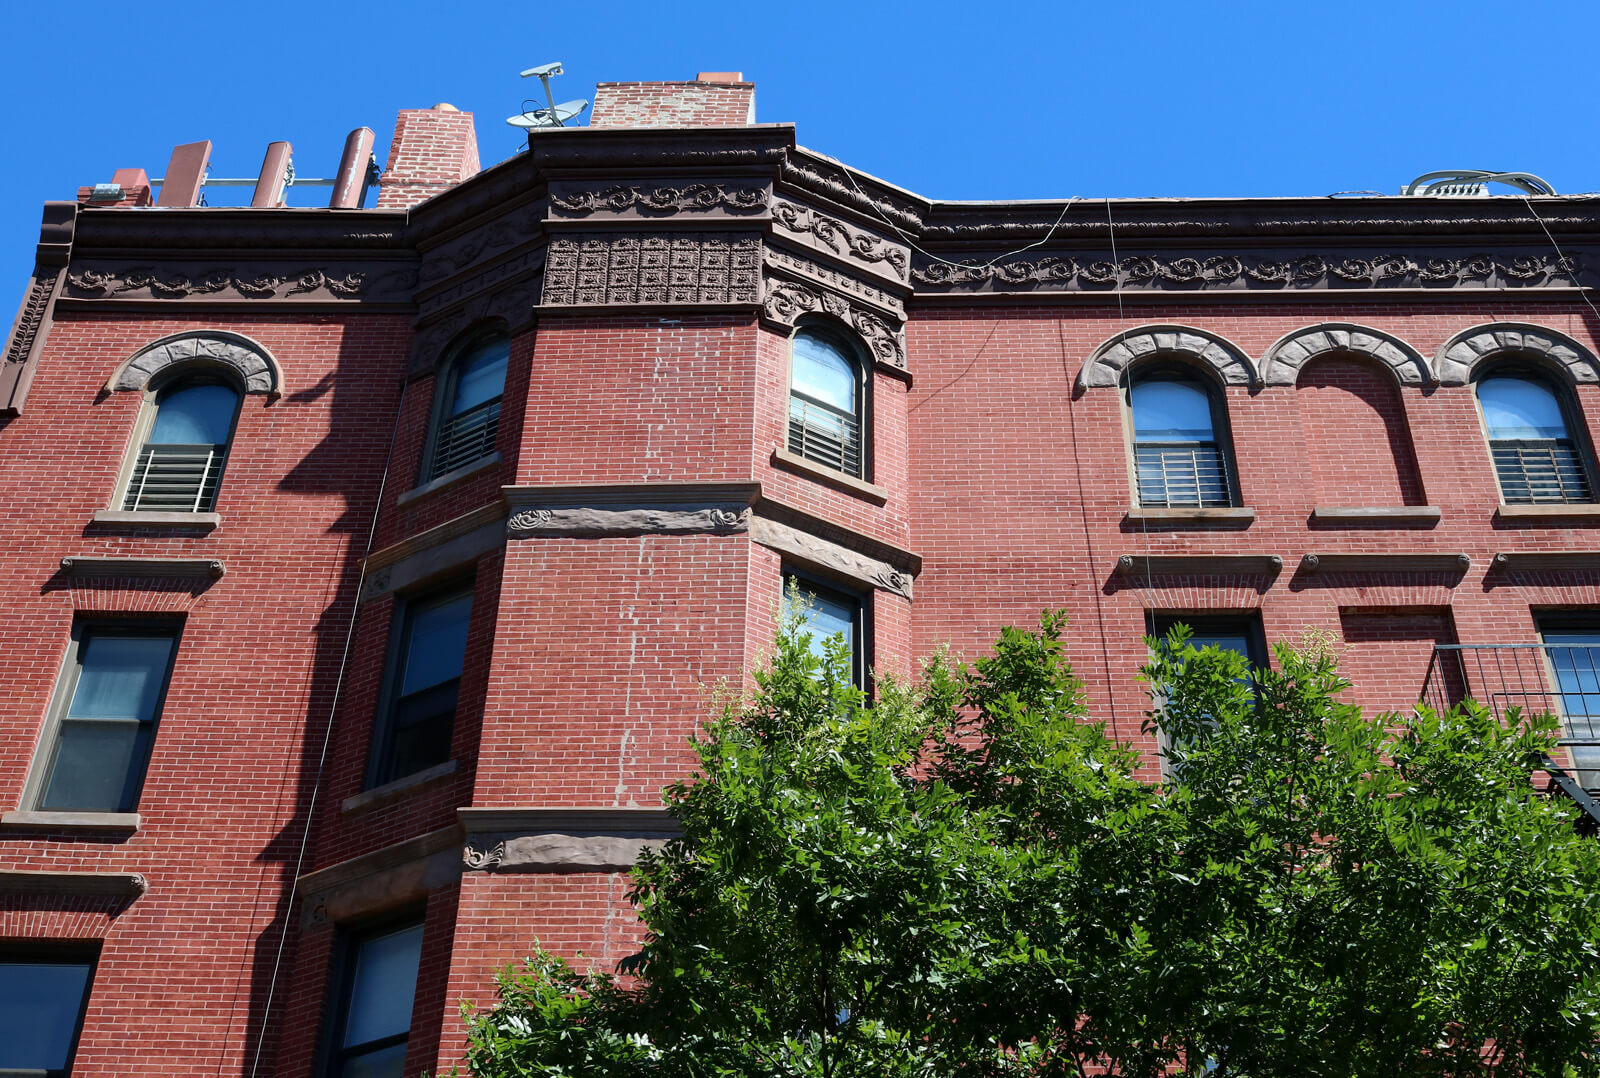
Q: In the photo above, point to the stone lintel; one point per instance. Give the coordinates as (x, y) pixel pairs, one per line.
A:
(19, 881)
(621, 509)
(183, 568)
(561, 839)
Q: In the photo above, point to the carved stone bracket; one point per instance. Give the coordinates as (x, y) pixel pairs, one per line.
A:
(1282, 364)
(658, 199)
(1180, 272)
(256, 283)
(786, 302)
(1461, 353)
(249, 359)
(830, 233)
(653, 268)
(631, 509)
(1108, 364)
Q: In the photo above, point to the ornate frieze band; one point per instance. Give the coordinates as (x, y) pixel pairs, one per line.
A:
(653, 268)
(830, 233)
(657, 199)
(786, 302)
(255, 283)
(1249, 272)
(631, 509)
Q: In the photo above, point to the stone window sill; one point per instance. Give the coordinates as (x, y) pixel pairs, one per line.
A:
(399, 789)
(433, 486)
(1563, 511)
(203, 522)
(29, 820)
(828, 477)
(1234, 515)
(1385, 514)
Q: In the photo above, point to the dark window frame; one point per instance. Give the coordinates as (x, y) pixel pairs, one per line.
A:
(851, 349)
(58, 952)
(1570, 619)
(165, 385)
(48, 751)
(1172, 370)
(1577, 430)
(332, 1053)
(446, 380)
(380, 764)
(1159, 622)
(861, 620)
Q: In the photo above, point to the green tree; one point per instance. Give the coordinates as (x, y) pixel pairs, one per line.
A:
(966, 876)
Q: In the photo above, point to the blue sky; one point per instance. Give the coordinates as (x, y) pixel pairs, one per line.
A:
(952, 100)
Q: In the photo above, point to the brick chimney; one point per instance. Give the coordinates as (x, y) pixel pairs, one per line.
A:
(433, 150)
(714, 99)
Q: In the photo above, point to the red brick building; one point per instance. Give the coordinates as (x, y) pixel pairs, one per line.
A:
(363, 566)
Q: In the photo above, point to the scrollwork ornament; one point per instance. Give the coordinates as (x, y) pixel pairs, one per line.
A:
(695, 196)
(728, 519)
(530, 520)
(180, 285)
(477, 860)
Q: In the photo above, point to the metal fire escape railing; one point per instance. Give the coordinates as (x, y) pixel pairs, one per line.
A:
(1559, 679)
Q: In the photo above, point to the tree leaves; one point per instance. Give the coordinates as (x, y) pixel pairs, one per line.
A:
(965, 876)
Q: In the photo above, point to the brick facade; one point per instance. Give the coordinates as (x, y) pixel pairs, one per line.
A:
(625, 543)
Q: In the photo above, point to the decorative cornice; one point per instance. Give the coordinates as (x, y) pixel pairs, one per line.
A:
(28, 334)
(659, 199)
(1245, 271)
(631, 509)
(175, 568)
(31, 316)
(863, 195)
(830, 232)
(786, 302)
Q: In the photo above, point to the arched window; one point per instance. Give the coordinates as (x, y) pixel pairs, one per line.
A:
(825, 403)
(1181, 456)
(1536, 458)
(469, 418)
(179, 465)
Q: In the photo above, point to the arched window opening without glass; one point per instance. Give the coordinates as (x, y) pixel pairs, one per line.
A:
(825, 398)
(1536, 458)
(469, 422)
(1180, 458)
(179, 467)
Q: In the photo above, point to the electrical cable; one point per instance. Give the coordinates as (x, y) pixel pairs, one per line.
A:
(327, 735)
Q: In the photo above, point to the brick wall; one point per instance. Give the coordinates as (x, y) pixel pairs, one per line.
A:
(673, 104)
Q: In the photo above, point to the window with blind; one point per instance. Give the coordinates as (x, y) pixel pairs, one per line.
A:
(377, 992)
(1537, 459)
(826, 413)
(103, 727)
(467, 423)
(178, 468)
(427, 651)
(1180, 451)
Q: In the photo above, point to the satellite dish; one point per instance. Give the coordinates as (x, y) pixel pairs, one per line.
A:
(553, 115)
(549, 117)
